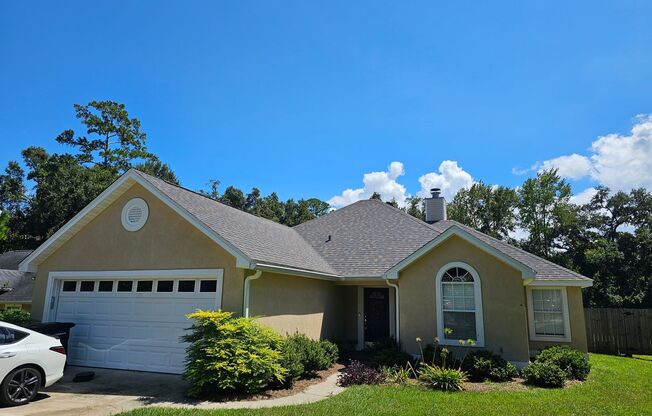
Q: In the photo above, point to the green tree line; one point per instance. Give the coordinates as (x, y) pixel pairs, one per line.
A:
(111, 143)
(608, 239)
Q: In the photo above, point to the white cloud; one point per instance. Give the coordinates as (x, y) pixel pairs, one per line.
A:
(624, 162)
(619, 162)
(382, 182)
(573, 166)
(519, 234)
(451, 178)
(583, 197)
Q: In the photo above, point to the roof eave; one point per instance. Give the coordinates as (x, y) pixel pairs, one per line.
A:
(273, 268)
(584, 282)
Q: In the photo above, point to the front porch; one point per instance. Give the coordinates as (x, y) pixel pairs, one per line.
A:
(369, 313)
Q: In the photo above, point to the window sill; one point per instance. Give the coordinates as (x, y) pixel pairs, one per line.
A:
(550, 338)
(455, 343)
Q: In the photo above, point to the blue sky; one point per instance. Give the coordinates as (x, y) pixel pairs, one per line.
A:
(303, 98)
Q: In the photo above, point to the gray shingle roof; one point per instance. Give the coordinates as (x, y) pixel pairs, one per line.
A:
(11, 259)
(364, 239)
(16, 286)
(545, 269)
(260, 239)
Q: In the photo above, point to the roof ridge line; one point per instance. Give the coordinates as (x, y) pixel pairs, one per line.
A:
(214, 200)
(421, 222)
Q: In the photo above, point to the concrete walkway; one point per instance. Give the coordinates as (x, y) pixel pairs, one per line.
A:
(316, 392)
(115, 391)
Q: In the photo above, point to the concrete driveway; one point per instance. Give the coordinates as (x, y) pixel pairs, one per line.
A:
(110, 392)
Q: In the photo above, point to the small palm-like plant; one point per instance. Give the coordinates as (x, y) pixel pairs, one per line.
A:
(440, 378)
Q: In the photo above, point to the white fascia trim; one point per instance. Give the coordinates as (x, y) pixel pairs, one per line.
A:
(560, 282)
(565, 313)
(28, 264)
(272, 268)
(454, 230)
(49, 303)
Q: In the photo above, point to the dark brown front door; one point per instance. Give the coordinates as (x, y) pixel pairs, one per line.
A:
(376, 314)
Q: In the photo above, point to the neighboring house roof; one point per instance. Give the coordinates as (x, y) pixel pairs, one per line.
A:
(10, 260)
(366, 239)
(15, 286)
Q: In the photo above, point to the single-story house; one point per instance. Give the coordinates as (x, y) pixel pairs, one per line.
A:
(145, 252)
(15, 286)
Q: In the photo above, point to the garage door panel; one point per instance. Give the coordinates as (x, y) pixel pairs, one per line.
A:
(137, 331)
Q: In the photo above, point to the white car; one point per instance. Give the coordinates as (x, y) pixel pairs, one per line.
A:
(28, 361)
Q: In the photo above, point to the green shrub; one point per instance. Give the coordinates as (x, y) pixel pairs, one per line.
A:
(439, 378)
(396, 375)
(16, 316)
(303, 357)
(357, 373)
(387, 353)
(230, 354)
(506, 373)
(544, 374)
(331, 350)
(573, 362)
(484, 365)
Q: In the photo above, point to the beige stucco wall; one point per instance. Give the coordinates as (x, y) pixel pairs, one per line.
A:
(503, 299)
(577, 323)
(167, 241)
(292, 304)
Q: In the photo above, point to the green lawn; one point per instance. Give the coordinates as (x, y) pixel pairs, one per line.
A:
(616, 386)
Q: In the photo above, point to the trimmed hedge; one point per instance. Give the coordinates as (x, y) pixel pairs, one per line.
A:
(484, 365)
(571, 361)
(303, 357)
(544, 374)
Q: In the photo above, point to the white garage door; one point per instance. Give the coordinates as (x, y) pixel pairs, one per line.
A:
(133, 322)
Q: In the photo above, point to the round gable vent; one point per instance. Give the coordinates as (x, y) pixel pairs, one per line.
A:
(134, 214)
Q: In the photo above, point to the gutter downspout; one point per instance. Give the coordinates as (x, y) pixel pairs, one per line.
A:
(397, 312)
(247, 287)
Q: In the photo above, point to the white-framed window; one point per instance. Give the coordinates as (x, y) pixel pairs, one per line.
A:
(134, 214)
(548, 313)
(459, 304)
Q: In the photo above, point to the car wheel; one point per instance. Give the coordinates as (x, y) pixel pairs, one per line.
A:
(20, 386)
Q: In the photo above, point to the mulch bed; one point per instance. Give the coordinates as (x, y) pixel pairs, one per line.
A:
(297, 387)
